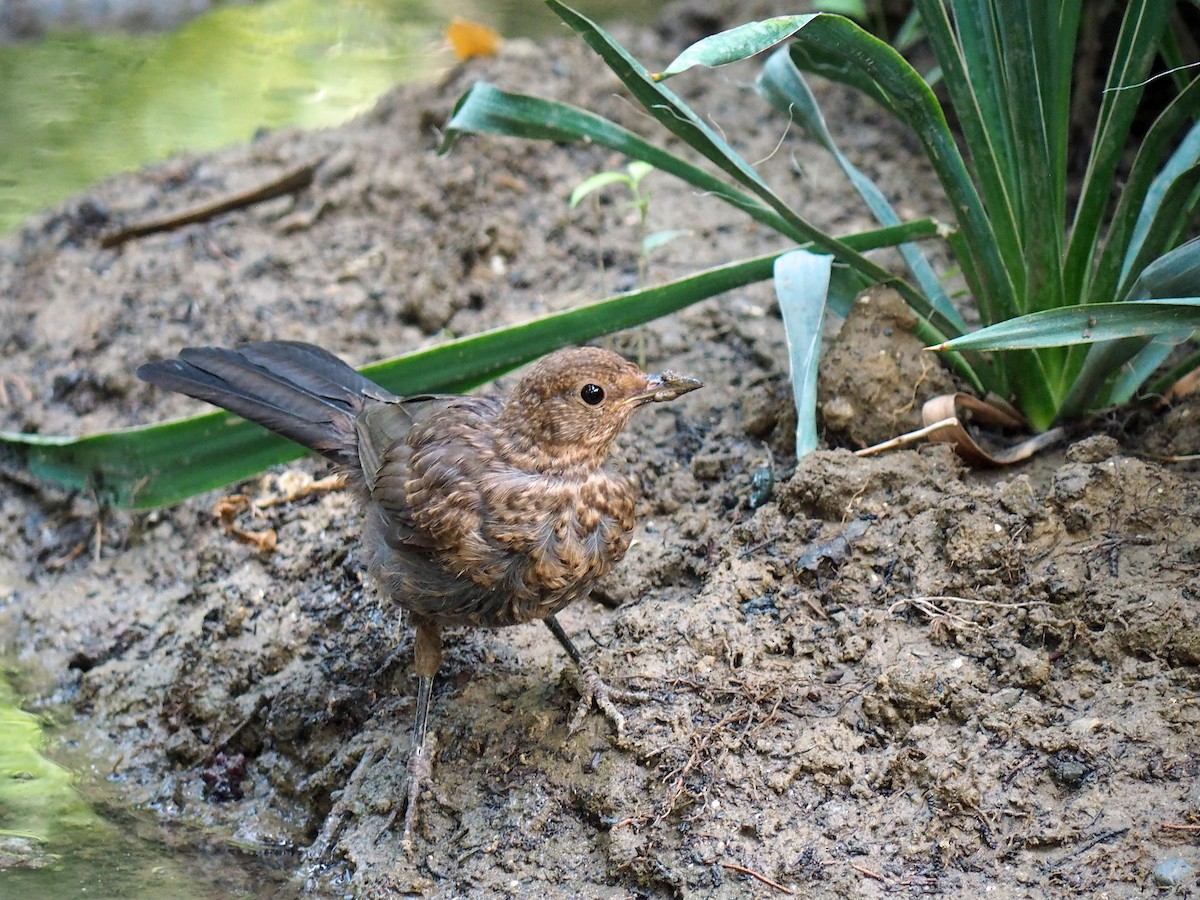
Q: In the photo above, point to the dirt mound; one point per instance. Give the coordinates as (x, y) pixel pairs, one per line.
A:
(892, 674)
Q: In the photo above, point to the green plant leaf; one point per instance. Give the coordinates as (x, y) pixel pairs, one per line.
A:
(639, 170)
(161, 464)
(1174, 210)
(1171, 52)
(1095, 381)
(1175, 274)
(1182, 161)
(1154, 167)
(735, 44)
(596, 182)
(910, 32)
(844, 287)
(1164, 382)
(781, 83)
(1084, 325)
(486, 109)
(1134, 373)
(1136, 46)
(681, 121)
(838, 49)
(973, 71)
(1036, 92)
(802, 285)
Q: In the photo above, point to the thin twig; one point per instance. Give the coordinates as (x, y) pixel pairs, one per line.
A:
(759, 546)
(734, 867)
(907, 438)
(868, 872)
(291, 181)
(947, 598)
(329, 483)
(1102, 838)
(927, 605)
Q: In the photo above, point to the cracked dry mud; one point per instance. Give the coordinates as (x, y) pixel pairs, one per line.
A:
(895, 675)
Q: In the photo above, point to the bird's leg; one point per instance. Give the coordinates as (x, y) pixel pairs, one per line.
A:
(428, 652)
(592, 689)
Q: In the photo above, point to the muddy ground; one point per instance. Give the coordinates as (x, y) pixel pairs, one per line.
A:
(897, 675)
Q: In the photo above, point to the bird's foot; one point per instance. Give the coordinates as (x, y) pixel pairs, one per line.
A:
(594, 692)
(420, 773)
(420, 777)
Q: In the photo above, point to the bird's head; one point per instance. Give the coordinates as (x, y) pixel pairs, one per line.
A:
(567, 409)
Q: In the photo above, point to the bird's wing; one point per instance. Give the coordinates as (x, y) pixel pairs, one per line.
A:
(388, 434)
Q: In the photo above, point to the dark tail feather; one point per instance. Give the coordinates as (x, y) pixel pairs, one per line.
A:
(297, 390)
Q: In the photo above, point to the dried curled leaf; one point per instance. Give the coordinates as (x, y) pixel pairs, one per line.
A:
(228, 509)
(947, 418)
(961, 409)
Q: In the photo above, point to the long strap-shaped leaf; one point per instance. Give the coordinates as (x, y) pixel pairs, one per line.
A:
(1084, 325)
(1137, 44)
(1174, 274)
(1177, 196)
(973, 71)
(781, 83)
(161, 464)
(1143, 191)
(679, 119)
(1029, 46)
(486, 109)
(838, 49)
(801, 285)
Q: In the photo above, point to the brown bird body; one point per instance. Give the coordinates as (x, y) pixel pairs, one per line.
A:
(479, 511)
(469, 525)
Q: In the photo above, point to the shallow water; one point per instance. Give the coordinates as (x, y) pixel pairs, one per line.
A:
(78, 107)
(62, 834)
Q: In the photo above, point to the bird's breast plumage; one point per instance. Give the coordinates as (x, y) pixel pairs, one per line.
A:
(469, 538)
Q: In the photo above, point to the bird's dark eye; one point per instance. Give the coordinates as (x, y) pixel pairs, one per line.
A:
(591, 394)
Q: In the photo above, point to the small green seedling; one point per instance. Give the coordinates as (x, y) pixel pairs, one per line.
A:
(631, 178)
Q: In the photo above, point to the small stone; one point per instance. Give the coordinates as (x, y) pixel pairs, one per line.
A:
(762, 482)
(838, 413)
(1094, 449)
(1068, 771)
(1172, 871)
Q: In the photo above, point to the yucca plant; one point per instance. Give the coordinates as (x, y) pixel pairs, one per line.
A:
(1114, 267)
(1044, 274)
(156, 465)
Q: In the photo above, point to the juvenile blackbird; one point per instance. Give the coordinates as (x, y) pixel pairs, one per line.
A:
(478, 510)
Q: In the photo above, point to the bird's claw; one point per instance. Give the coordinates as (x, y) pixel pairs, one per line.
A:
(594, 692)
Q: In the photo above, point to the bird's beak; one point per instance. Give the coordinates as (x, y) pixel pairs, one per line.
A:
(667, 386)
